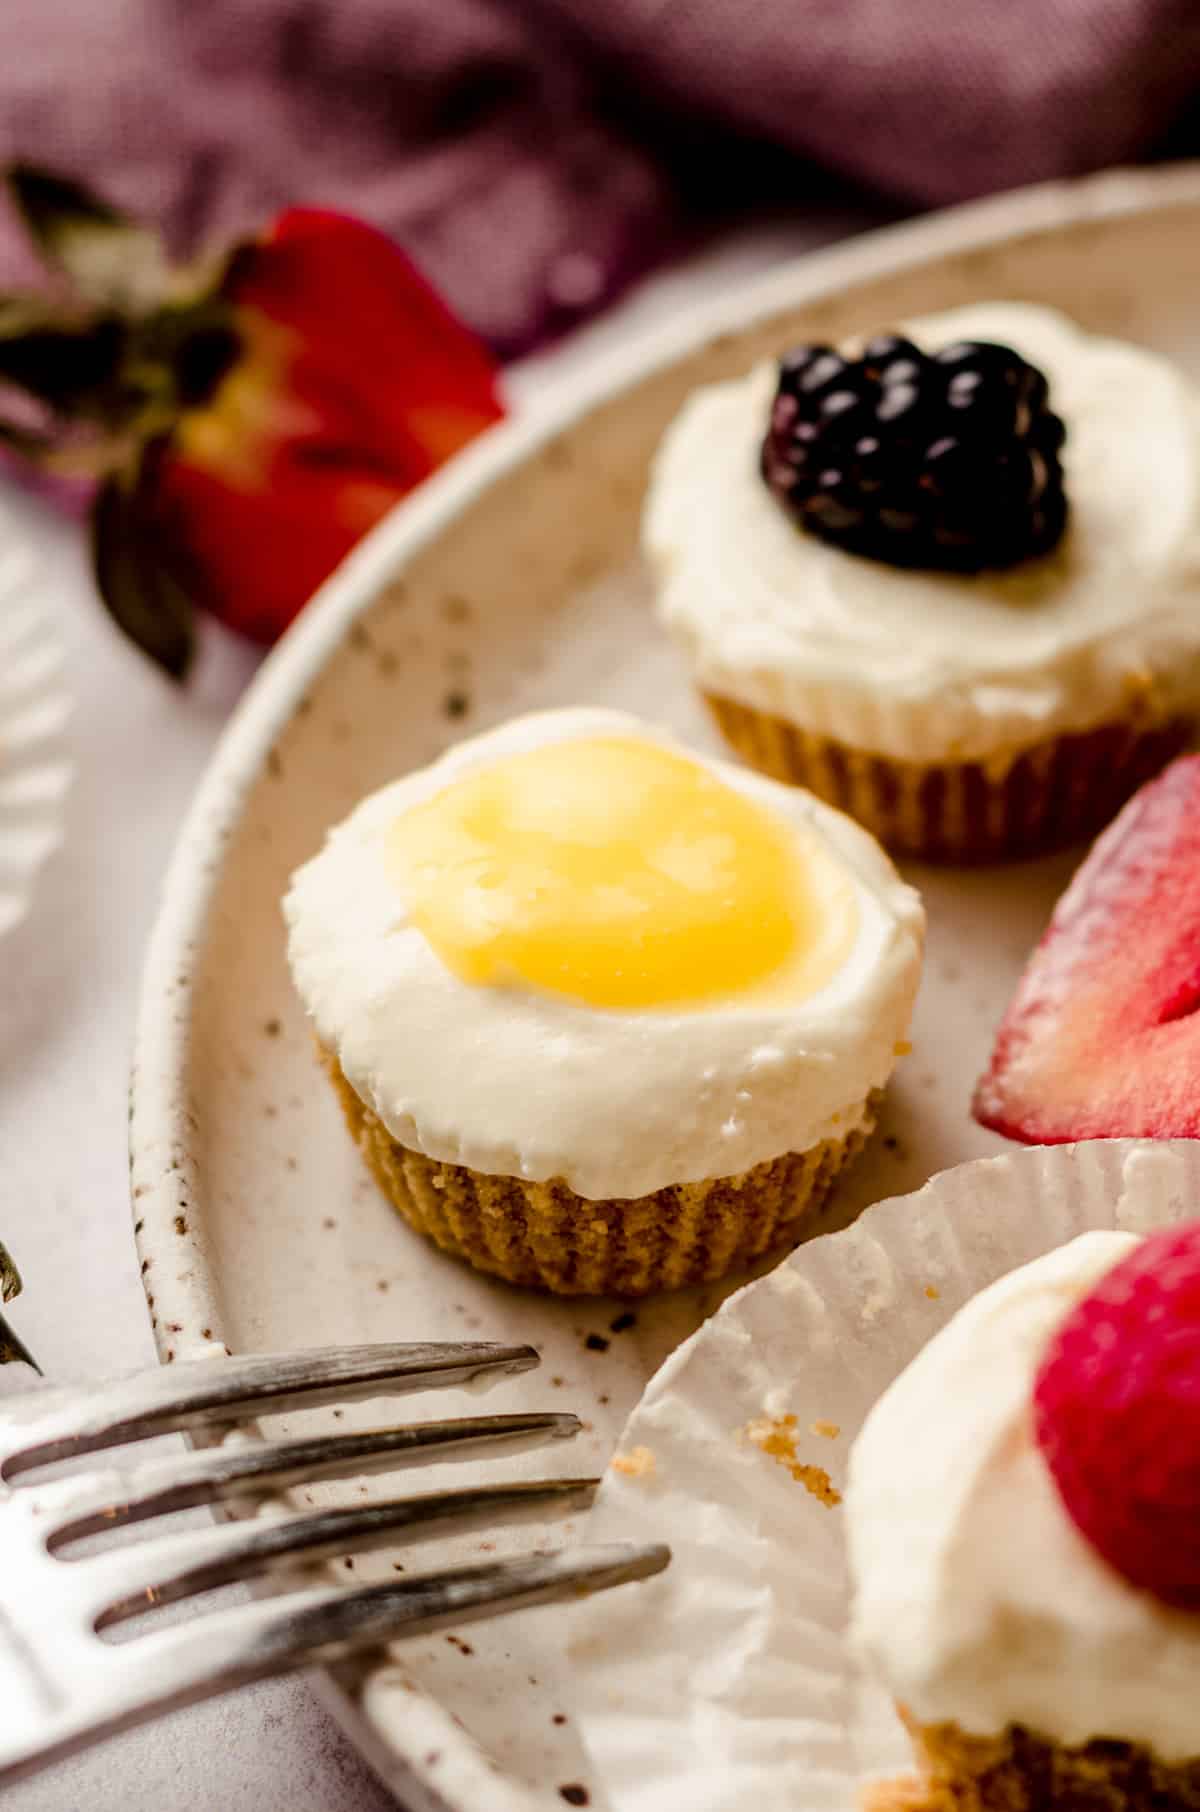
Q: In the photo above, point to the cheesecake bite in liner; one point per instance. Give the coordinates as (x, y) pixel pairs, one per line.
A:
(948, 579)
(603, 1015)
(1023, 1518)
(946, 1461)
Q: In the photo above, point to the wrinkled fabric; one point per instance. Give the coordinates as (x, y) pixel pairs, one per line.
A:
(533, 155)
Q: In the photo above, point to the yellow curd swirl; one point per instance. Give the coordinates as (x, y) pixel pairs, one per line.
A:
(621, 874)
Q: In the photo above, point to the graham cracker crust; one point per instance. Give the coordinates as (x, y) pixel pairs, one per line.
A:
(1054, 793)
(1021, 1771)
(545, 1236)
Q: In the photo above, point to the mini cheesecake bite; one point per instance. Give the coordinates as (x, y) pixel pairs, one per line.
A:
(947, 578)
(603, 1015)
(1023, 1509)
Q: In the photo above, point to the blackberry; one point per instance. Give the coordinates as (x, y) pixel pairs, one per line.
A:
(947, 460)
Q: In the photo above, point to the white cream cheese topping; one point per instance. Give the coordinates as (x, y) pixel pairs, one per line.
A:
(933, 667)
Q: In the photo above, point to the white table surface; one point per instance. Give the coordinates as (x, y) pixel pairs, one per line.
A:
(69, 981)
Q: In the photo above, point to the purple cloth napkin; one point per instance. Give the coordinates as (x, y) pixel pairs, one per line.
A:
(533, 154)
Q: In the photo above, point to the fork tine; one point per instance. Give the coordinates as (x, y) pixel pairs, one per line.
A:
(173, 1668)
(222, 1473)
(122, 1583)
(208, 1392)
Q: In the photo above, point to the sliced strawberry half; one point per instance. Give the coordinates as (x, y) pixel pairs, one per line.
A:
(1102, 1039)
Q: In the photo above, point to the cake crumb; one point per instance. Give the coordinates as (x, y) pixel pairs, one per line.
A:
(776, 1437)
(638, 1463)
(902, 1048)
(907, 1793)
(828, 1431)
(932, 1291)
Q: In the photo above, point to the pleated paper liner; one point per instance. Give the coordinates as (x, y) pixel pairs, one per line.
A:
(35, 771)
(728, 1684)
(1008, 809)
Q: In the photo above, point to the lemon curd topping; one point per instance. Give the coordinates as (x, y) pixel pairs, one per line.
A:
(619, 873)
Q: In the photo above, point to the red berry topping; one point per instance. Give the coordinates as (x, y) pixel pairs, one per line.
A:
(1117, 1415)
(1102, 1039)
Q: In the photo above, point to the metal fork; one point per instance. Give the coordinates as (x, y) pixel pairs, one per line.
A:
(63, 1686)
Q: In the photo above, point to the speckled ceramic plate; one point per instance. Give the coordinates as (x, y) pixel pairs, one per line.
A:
(509, 583)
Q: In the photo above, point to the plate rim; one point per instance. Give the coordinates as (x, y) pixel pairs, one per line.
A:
(158, 1108)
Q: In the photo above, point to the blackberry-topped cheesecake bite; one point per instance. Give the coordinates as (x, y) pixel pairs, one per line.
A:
(948, 578)
(603, 1015)
(1023, 1515)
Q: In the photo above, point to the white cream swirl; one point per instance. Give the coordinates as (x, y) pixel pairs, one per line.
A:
(977, 1601)
(932, 667)
(517, 1082)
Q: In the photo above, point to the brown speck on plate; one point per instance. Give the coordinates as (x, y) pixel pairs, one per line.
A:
(575, 1795)
(621, 1324)
(456, 704)
(596, 1343)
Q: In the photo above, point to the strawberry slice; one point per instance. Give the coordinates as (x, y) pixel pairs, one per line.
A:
(1102, 1039)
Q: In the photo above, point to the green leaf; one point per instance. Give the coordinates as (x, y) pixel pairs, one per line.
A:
(138, 590)
(73, 370)
(12, 1347)
(10, 1277)
(110, 260)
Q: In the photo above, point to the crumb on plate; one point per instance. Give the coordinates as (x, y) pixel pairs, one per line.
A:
(776, 1437)
(638, 1463)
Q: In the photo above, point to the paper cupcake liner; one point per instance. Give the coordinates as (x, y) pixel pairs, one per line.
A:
(1021, 804)
(35, 771)
(545, 1236)
(729, 1682)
